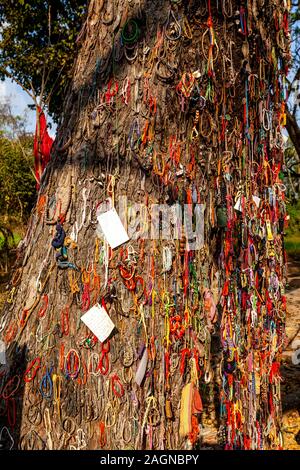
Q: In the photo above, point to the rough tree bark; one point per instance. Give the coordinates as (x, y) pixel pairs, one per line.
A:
(171, 102)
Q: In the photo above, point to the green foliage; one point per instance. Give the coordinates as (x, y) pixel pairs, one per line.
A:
(295, 33)
(17, 183)
(292, 241)
(37, 44)
(294, 222)
(292, 246)
(8, 240)
(291, 173)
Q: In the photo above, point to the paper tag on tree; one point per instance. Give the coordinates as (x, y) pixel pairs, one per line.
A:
(141, 370)
(238, 205)
(256, 200)
(2, 353)
(98, 321)
(113, 229)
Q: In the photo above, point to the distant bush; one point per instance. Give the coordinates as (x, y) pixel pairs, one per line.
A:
(292, 242)
(17, 183)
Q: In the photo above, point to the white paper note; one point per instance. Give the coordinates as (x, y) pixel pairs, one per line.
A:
(97, 320)
(256, 200)
(2, 353)
(238, 205)
(141, 370)
(113, 228)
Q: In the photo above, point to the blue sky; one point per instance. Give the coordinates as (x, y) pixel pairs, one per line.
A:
(19, 101)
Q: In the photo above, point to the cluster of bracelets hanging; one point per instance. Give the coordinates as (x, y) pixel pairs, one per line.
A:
(181, 103)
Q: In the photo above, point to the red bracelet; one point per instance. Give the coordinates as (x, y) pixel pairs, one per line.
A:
(125, 274)
(8, 384)
(24, 317)
(102, 437)
(117, 386)
(64, 322)
(85, 298)
(62, 357)
(130, 284)
(105, 347)
(184, 353)
(72, 362)
(32, 369)
(11, 332)
(104, 359)
(43, 309)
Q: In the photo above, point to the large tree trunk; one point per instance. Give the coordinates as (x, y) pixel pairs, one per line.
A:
(171, 102)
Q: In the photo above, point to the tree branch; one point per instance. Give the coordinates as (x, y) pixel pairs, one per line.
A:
(10, 75)
(291, 83)
(293, 130)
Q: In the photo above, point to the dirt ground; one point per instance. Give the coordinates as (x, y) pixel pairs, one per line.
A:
(290, 371)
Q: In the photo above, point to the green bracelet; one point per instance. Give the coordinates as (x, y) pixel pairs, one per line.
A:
(128, 38)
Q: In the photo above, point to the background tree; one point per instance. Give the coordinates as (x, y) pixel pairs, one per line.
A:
(37, 45)
(170, 102)
(17, 191)
(293, 94)
(17, 182)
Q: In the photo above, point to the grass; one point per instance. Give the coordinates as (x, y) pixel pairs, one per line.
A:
(292, 246)
(292, 240)
(12, 243)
